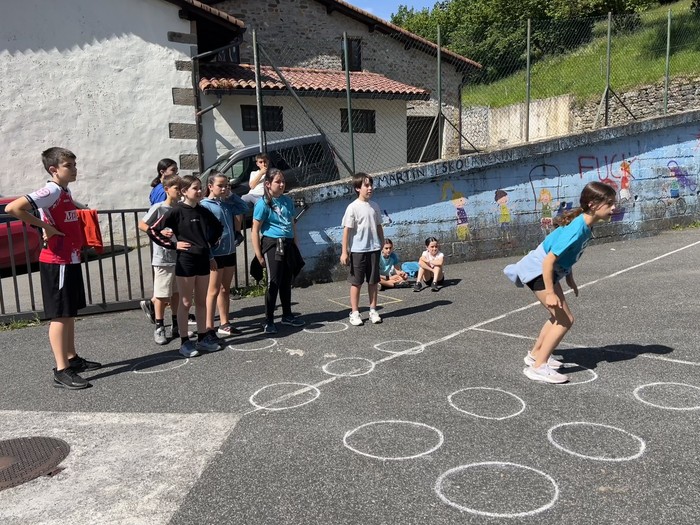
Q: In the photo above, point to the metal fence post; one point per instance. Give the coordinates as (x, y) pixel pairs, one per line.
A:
(527, 84)
(346, 55)
(668, 62)
(258, 93)
(439, 89)
(607, 71)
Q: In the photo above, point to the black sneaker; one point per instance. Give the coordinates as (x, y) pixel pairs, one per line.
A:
(68, 378)
(149, 310)
(418, 287)
(78, 364)
(435, 286)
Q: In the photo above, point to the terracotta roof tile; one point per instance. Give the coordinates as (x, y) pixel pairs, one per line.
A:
(230, 77)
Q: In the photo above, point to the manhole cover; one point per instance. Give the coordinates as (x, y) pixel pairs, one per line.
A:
(24, 459)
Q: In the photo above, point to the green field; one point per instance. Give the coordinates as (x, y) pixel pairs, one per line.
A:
(638, 58)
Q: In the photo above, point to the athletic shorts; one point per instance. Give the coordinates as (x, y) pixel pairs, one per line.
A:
(62, 289)
(164, 282)
(364, 266)
(191, 264)
(225, 261)
(537, 284)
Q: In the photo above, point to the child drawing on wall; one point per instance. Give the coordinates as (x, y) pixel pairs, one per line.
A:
(459, 201)
(625, 183)
(545, 199)
(501, 199)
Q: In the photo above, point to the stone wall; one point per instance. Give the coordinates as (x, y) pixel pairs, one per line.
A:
(643, 102)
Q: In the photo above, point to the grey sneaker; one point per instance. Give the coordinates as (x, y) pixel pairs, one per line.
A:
(188, 349)
(149, 310)
(210, 343)
(270, 328)
(418, 287)
(69, 378)
(290, 320)
(159, 336)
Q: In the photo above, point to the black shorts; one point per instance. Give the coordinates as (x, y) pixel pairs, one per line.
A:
(62, 289)
(364, 267)
(537, 284)
(191, 264)
(225, 261)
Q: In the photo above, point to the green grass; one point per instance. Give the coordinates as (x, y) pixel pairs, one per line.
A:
(637, 58)
(18, 324)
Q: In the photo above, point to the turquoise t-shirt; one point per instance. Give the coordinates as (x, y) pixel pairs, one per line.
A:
(277, 220)
(568, 242)
(386, 264)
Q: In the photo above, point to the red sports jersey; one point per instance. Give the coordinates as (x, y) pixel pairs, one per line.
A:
(58, 209)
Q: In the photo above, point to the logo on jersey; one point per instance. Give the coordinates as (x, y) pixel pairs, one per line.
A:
(71, 216)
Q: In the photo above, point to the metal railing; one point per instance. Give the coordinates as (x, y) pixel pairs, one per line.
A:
(116, 279)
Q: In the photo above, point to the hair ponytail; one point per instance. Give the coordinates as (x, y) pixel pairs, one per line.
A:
(593, 193)
(163, 164)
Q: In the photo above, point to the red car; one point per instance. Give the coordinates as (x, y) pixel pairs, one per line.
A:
(22, 235)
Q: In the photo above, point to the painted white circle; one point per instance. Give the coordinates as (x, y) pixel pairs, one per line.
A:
(284, 394)
(501, 487)
(270, 344)
(169, 362)
(687, 391)
(480, 396)
(343, 326)
(411, 347)
(604, 435)
(355, 366)
(565, 366)
(390, 437)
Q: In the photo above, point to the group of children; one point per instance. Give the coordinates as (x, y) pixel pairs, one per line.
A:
(195, 257)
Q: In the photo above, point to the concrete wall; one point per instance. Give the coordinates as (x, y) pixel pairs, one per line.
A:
(97, 77)
(222, 128)
(455, 200)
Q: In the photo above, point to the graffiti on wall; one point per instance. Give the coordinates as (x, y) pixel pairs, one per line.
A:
(504, 217)
(459, 201)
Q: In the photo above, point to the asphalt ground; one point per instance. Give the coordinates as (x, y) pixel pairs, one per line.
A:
(426, 418)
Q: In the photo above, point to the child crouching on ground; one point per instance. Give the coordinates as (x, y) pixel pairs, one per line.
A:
(390, 275)
(431, 263)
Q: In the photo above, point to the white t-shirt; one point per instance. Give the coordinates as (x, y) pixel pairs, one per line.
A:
(259, 189)
(430, 259)
(363, 218)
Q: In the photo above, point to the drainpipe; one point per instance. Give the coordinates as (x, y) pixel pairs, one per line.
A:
(198, 101)
(209, 108)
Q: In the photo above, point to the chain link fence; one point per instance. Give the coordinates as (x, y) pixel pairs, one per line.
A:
(562, 77)
(343, 94)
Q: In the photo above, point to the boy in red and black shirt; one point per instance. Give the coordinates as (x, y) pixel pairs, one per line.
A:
(62, 286)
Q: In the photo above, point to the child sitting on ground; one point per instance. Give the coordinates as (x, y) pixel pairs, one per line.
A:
(431, 262)
(390, 276)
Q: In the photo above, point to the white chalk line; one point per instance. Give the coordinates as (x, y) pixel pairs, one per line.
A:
(574, 345)
(478, 325)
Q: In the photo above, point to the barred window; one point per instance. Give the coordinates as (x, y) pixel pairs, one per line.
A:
(363, 121)
(272, 118)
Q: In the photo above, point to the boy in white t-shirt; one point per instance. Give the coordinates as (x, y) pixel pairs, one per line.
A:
(363, 238)
(255, 182)
(431, 263)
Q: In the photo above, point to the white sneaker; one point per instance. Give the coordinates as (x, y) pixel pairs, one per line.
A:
(355, 319)
(546, 374)
(551, 362)
(374, 317)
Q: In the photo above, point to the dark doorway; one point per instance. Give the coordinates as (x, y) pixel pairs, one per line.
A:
(418, 129)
